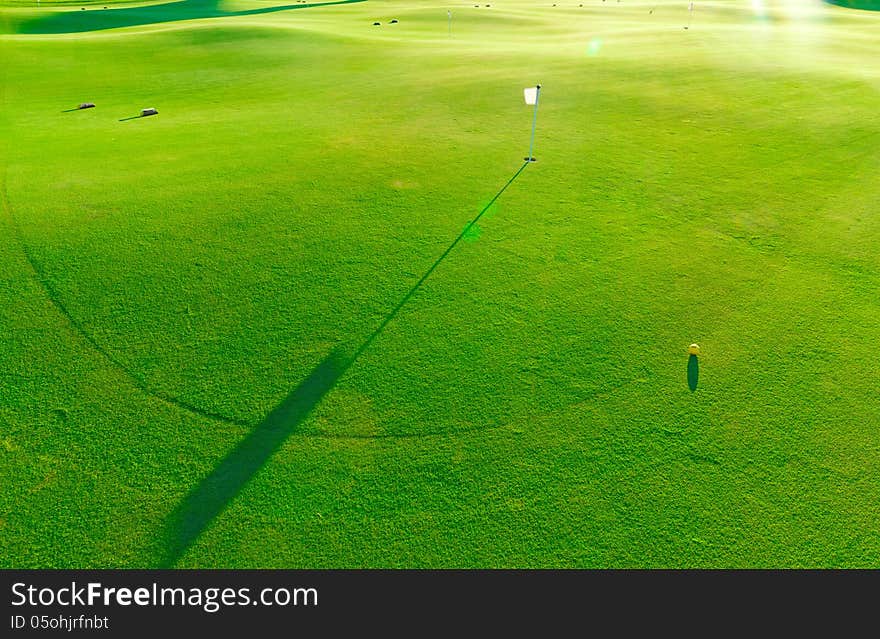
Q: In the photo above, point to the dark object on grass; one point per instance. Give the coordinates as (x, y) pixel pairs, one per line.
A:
(150, 111)
(693, 372)
(393, 22)
(86, 105)
(376, 24)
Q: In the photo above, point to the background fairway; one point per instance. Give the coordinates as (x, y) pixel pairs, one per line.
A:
(169, 284)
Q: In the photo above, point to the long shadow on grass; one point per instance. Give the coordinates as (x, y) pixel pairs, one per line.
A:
(102, 19)
(693, 372)
(207, 500)
(210, 498)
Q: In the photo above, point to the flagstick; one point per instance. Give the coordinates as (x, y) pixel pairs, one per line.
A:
(449, 14)
(529, 158)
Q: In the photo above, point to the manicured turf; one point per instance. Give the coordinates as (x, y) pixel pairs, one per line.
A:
(220, 349)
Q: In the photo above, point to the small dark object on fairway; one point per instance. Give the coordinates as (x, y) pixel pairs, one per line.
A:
(150, 111)
(377, 24)
(86, 105)
(393, 22)
(693, 372)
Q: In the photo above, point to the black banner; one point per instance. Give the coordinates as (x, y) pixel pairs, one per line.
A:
(229, 602)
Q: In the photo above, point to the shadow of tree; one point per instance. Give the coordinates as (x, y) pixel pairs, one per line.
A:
(864, 5)
(100, 19)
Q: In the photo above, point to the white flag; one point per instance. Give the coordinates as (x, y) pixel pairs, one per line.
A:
(531, 95)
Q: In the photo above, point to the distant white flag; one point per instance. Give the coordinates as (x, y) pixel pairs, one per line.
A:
(531, 95)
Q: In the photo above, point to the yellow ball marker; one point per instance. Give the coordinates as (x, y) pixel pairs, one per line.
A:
(694, 349)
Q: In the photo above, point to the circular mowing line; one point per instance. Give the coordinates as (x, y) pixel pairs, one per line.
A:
(79, 329)
(426, 434)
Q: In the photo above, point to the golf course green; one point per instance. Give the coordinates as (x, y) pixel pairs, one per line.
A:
(319, 313)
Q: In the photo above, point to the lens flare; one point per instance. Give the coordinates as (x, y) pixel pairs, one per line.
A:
(594, 47)
(800, 10)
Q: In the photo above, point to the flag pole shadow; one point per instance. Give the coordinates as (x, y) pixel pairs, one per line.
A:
(202, 505)
(390, 316)
(214, 493)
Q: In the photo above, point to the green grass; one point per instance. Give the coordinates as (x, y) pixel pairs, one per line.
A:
(170, 286)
